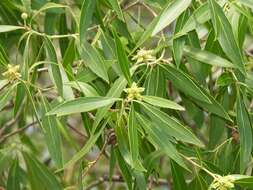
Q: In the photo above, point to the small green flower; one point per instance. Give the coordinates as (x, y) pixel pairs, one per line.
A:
(134, 92)
(12, 73)
(223, 182)
(144, 56)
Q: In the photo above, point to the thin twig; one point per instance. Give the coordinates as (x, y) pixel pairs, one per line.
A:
(19, 130)
(93, 163)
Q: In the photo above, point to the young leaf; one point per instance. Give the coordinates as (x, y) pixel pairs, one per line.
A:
(82, 104)
(8, 28)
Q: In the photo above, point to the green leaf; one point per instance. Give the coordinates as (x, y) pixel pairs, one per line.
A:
(39, 176)
(207, 57)
(85, 88)
(224, 34)
(160, 140)
(116, 7)
(155, 83)
(13, 181)
(243, 180)
(184, 83)
(124, 169)
(162, 102)
(169, 14)
(52, 135)
(247, 3)
(178, 43)
(122, 58)
(94, 60)
(9, 28)
(82, 104)
(5, 96)
(170, 125)
(133, 140)
(178, 177)
(245, 132)
(87, 10)
(53, 69)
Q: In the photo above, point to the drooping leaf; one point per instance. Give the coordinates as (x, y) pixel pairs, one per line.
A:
(122, 58)
(224, 34)
(171, 125)
(40, 177)
(245, 132)
(82, 104)
(207, 57)
(13, 181)
(162, 102)
(87, 10)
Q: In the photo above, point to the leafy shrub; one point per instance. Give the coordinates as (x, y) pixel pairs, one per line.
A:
(126, 94)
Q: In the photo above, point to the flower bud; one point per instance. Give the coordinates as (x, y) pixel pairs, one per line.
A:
(24, 16)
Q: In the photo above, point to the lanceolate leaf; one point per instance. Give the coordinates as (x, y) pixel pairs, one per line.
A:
(133, 139)
(40, 177)
(207, 57)
(116, 7)
(178, 177)
(54, 70)
(13, 181)
(224, 34)
(161, 141)
(93, 60)
(122, 58)
(245, 132)
(82, 104)
(52, 135)
(184, 83)
(8, 28)
(162, 102)
(169, 14)
(171, 125)
(87, 10)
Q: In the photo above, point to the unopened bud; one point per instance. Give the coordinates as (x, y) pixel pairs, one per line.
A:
(24, 16)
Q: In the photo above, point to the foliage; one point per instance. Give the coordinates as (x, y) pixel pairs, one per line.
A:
(126, 94)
